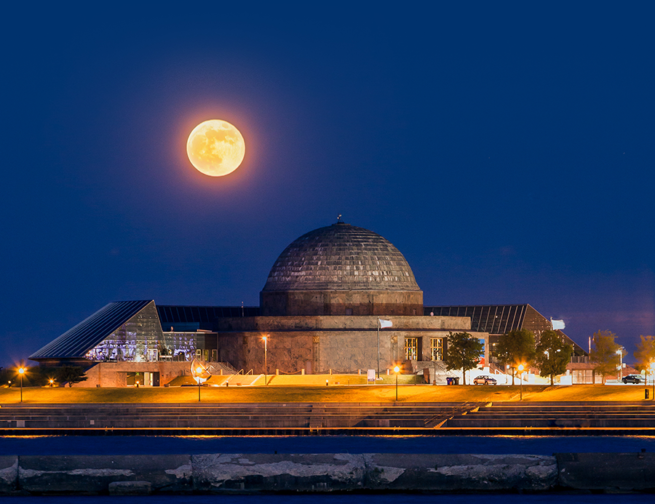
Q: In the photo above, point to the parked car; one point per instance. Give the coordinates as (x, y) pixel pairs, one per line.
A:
(633, 378)
(484, 380)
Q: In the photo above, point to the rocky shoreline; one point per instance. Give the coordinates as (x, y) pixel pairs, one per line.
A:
(321, 473)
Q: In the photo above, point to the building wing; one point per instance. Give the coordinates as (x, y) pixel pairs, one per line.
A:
(192, 318)
(501, 319)
(77, 341)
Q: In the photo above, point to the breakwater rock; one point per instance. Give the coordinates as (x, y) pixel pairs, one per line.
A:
(340, 472)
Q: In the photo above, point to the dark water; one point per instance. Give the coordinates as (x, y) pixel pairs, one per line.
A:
(153, 445)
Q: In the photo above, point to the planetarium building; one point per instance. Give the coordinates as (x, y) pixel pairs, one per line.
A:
(320, 311)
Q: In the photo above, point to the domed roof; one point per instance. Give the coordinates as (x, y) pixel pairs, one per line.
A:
(341, 257)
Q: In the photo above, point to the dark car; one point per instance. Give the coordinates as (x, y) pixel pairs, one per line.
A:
(633, 378)
(484, 380)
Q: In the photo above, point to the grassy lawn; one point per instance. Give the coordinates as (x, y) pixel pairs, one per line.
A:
(315, 393)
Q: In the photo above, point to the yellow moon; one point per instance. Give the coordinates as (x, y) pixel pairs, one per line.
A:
(215, 148)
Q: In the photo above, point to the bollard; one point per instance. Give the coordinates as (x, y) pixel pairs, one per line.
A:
(330, 371)
(646, 391)
(277, 372)
(326, 383)
(302, 372)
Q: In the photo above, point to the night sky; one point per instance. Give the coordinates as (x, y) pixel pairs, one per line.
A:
(507, 150)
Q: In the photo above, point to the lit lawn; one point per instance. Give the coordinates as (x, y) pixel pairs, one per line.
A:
(310, 394)
(349, 379)
(590, 393)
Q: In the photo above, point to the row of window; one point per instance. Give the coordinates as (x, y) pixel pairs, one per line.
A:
(412, 351)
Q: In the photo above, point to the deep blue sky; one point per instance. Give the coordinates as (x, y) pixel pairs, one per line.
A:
(507, 150)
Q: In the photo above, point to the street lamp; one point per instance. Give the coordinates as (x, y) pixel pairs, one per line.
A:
(21, 372)
(619, 352)
(51, 382)
(652, 376)
(265, 338)
(396, 370)
(521, 378)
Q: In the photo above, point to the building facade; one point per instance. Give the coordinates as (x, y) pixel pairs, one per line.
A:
(320, 310)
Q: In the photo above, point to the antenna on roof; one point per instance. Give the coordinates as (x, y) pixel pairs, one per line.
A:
(241, 309)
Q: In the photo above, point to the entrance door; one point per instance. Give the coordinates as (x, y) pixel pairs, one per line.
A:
(155, 379)
(411, 348)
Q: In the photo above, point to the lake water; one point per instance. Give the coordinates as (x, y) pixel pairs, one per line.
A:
(153, 445)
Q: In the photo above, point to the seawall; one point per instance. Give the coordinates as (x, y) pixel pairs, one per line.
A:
(340, 472)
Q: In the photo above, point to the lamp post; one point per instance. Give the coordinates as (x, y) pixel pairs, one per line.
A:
(396, 370)
(21, 372)
(51, 382)
(620, 354)
(652, 377)
(521, 378)
(265, 338)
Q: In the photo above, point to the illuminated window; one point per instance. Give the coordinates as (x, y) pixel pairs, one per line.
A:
(436, 348)
(411, 348)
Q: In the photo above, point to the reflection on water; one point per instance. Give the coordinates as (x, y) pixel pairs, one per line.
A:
(126, 445)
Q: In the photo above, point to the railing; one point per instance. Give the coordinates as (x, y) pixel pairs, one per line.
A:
(580, 359)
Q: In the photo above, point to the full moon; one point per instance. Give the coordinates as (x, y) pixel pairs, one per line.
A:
(215, 148)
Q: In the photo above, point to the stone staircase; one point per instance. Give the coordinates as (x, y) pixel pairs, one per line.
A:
(557, 415)
(214, 418)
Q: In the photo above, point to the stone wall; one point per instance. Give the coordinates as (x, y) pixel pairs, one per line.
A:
(114, 374)
(341, 302)
(367, 323)
(329, 472)
(319, 351)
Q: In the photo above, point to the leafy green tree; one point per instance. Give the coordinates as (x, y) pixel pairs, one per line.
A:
(70, 374)
(645, 353)
(552, 354)
(514, 348)
(463, 352)
(603, 353)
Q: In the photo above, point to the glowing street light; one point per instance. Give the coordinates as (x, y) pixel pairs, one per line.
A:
(21, 372)
(521, 367)
(265, 338)
(199, 373)
(51, 382)
(396, 370)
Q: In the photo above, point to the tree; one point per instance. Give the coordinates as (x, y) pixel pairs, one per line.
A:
(552, 354)
(645, 353)
(603, 353)
(514, 348)
(71, 374)
(463, 352)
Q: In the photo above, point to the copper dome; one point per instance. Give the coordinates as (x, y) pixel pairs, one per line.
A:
(341, 257)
